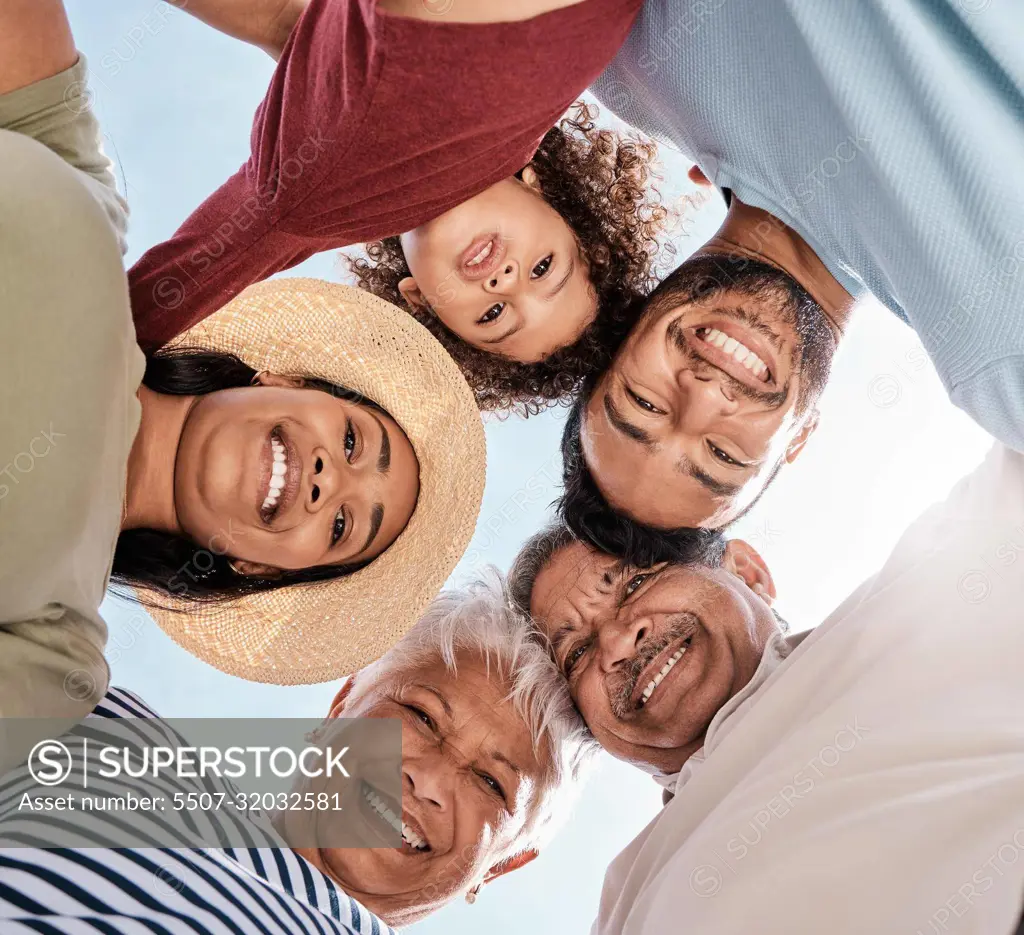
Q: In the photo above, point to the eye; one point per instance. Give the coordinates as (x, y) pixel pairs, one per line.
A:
(542, 267)
(493, 785)
(723, 457)
(634, 583)
(492, 314)
(338, 527)
(644, 404)
(573, 657)
(350, 441)
(421, 715)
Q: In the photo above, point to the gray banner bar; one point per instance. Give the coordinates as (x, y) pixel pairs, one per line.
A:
(211, 782)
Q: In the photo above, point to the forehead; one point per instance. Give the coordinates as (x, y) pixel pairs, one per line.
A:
(572, 568)
(646, 483)
(479, 713)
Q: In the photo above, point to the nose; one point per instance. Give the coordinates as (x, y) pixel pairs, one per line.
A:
(619, 640)
(704, 402)
(326, 482)
(503, 279)
(427, 778)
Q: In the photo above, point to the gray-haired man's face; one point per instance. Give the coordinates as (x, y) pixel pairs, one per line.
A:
(651, 655)
(469, 775)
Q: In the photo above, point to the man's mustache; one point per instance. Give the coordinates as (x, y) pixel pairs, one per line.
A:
(621, 688)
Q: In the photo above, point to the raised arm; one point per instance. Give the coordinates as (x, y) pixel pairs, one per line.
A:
(265, 24)
(35, 42)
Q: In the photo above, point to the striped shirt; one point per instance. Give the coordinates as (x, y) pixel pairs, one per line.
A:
(265, 888)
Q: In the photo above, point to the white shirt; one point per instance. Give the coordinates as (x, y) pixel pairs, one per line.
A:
(776, 649)
(875, 782)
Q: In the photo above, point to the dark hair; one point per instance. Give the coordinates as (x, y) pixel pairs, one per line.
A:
(151, 560)
(535, 553)
(600, 183)
(585, 511)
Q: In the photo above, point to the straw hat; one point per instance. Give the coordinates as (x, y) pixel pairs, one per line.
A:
(322, 631)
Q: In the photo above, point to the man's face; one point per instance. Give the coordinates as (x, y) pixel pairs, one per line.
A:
(469, 775)
(651, 655)
(706, 398)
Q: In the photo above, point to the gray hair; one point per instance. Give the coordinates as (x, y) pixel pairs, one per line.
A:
(480, 618)
(536, 552)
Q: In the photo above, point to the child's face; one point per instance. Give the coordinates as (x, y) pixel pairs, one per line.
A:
(503, 271)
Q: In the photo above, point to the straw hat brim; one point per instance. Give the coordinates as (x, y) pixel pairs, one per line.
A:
(319, 632)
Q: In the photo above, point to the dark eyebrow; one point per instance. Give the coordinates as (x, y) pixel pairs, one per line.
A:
(444, 701)
(376, 518)
(384, 457)
(626, 428)
(511, 331)
(717, 487)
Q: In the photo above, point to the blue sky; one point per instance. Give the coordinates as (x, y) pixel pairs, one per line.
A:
(176, 100)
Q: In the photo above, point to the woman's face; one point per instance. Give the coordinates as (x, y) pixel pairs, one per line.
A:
(285, 477)
(503, 271)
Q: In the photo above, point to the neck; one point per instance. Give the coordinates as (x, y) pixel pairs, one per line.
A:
(149, 502)
(756, 234)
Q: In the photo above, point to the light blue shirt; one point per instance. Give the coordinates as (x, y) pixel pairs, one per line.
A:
(888, 133)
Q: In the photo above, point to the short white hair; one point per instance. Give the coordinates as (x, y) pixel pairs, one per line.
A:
(479, 618)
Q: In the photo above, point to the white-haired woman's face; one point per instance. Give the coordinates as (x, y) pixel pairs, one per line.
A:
(470, 776)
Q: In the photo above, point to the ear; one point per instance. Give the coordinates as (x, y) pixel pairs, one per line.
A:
(266, 378)
(509, 864)
(411, 293)
(531, 180)
(255, 569)
(340, 699)
(742, 560)
(696, 176)
(806, 431)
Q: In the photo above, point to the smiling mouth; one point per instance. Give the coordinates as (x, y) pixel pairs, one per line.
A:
(413, 838)
(482, 257)
(729, 354)
(670, 663)
(278, 472)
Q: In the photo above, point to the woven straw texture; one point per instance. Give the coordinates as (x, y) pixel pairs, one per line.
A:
(323, 631)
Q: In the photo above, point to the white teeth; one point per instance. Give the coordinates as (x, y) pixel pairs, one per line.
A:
(408, 835)
(278, 469)
(732, 347)
(665, 669)
(482, 255)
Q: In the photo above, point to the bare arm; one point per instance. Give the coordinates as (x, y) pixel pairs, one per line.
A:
(265, 24)
(35, 42)
(473, 11)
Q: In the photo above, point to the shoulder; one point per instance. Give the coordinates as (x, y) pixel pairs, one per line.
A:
(118, 702)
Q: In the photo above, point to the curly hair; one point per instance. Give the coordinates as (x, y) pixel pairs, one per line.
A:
(600, 182)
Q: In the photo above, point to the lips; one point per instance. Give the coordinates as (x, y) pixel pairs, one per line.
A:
(723, 343)
(482, 257)
(660, 668)
(279, 476)
(414, 839)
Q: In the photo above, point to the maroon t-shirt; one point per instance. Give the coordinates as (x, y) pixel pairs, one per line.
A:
(373, 125)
